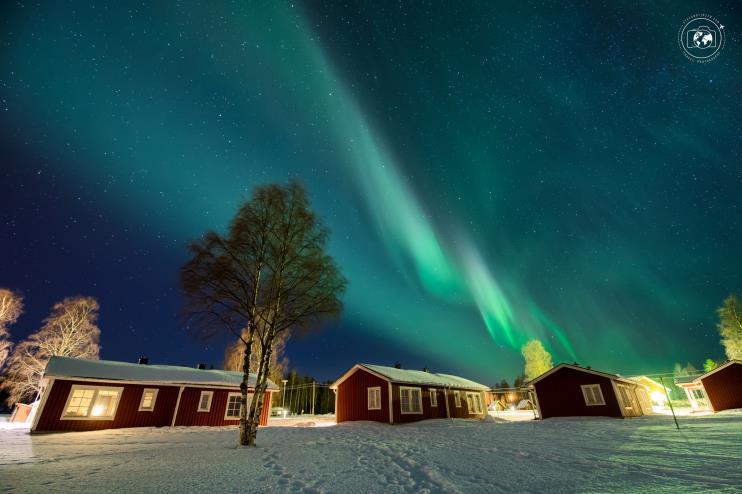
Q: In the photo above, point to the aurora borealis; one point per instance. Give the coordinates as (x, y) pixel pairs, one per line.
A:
(490, 173)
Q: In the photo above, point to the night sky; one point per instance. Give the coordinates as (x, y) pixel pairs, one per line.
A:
(490, 173)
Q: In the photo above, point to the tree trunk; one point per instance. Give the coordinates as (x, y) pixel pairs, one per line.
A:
(244, 387)
(260, 386)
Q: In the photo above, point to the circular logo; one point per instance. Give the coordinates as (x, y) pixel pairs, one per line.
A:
(701, 38)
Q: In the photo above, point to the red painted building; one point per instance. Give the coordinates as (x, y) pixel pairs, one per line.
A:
(82, 395)
(570, 390)
(719, 389)
(393, 395)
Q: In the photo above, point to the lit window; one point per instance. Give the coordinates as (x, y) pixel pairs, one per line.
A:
(149, 396)
(474, 403)
(233, 406)
(593, 394)
(374, 398)
(410, 400)
(433, 398)
(457, 399)
(91, 403)
(204, 401)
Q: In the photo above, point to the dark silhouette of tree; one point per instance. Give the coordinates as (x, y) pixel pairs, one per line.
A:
(267, 276)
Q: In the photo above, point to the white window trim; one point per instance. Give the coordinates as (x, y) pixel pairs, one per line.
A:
(419, 400)
(226, 408)
(200, 399)
(479, 403)
(433, 397)
(154, 400)
(92, 402)
(377, 392)
(585, 387)
(457, 399)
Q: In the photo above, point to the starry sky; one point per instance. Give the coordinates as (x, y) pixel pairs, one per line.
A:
(491, 172)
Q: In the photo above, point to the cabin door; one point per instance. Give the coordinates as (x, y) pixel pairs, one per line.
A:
(644, 402)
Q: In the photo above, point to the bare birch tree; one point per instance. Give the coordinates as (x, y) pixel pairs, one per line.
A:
(223, 283)
(234, 354)
(11, 308)
(69, 331)
(304, 285)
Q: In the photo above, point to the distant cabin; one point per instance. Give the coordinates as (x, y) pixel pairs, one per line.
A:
(573, 391)
(393, 395)
(717, 390)
(83, 395)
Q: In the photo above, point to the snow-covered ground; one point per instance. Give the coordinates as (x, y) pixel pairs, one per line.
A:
(557, 455)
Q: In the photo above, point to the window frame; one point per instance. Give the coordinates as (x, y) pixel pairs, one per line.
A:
(210, 394)
(226, 408)
(457, 399)
(419, 400)
(376, 390)
(433, 397)
(585, 387)
(623, 392)
(96, 389)
(480, 407)
(151, 408)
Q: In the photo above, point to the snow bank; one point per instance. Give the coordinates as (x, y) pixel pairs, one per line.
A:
(557, 455)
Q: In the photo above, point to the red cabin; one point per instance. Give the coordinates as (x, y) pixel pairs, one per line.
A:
(83, 395)
(393, 395)
(570, 390)
(720, 389)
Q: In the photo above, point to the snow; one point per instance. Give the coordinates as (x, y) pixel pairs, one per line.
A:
(124, 371)
(557, 455)
(426, 378)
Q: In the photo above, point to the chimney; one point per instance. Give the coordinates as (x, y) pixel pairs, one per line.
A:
(143, 361)
(397, 365)
(201, 366)
(425, 369)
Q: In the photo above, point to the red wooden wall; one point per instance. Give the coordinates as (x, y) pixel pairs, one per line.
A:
(560, 395)
(351, 401)
(128, 414)
(724, 388)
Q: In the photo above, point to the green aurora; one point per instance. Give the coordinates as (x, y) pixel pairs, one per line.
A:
(481, 191)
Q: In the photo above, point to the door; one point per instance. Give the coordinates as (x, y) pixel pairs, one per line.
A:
(644, 401)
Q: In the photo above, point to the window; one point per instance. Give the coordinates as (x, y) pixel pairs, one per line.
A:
(91, 403)
(433, 398)
(697, 394)
(592, 394)
(233, 405)
(624, 394)
(457, 399)
(149, 396)
(204, 402)
(374, 398)
(474, 403)
(410, 400)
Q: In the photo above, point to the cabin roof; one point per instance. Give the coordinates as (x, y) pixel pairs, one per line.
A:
(125, 371)
(581, 369)
(407, 376)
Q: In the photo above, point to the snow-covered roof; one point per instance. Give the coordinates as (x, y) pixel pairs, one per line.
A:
(415, 377)
(581, 369)
(125, 371)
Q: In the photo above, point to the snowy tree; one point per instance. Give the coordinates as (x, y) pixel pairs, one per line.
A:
(69, 331)
(11, 308)
(538, 360)
(234, 355)
(730, 327)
